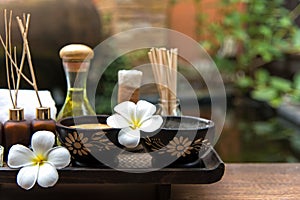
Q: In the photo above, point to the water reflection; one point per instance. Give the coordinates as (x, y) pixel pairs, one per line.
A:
(254, 133)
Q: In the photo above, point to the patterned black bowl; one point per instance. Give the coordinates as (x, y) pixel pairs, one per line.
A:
(177, 143)
(88, 146)
(180, 141)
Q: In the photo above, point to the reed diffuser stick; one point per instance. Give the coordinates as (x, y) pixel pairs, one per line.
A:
(6, 57)
(163, 81)
(15, 55)
(164, 67)
(174, 53)
(10, 52)
(13, 63)
(25, 41)
(156, 71)
(11, 58)
(25, 33)
(19, 71)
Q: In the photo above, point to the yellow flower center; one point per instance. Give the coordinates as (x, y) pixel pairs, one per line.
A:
(39, 159)
(136, 124)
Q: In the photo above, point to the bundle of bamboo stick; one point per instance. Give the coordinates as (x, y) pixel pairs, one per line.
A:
(164, 67)
(11, 57)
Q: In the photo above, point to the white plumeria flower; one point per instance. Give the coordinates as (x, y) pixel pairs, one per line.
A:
(133, 118)
(40, 164)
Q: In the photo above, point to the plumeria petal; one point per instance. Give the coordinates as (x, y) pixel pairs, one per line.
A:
(144, 110)
(152, 124)
(132, 118)
(42, 142)
(19, 156)
(39, 165)
(127, 109)
(117, 121)
(27, 176)
(129, 137)
(59, 157)
(47, 176)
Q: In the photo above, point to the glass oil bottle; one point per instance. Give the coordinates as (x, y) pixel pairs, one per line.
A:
(76, 62)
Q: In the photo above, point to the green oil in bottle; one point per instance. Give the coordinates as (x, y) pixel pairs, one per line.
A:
(76, 61)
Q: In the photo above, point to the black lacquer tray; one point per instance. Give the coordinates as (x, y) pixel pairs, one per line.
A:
(210, 170)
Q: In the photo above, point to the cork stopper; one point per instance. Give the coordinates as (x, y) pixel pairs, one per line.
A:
(43, 113)
(16, 114)
(76, 52)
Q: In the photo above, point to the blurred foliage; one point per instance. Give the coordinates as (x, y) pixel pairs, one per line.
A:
(108, 81)
(250, 34)
(271, 89)
(263, 30)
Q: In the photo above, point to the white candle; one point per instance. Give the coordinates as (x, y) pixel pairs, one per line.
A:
(129, 83)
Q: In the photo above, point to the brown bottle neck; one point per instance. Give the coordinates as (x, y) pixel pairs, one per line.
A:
(43, 113)
(16, 114)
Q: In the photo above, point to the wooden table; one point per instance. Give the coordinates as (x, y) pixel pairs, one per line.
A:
(248, 181)
(240, 181)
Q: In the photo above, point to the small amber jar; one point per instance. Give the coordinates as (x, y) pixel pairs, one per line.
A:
(43, 121)
(16, 130)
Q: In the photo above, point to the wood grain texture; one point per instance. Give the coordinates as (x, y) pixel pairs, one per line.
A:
(247, 181)
(240, 182)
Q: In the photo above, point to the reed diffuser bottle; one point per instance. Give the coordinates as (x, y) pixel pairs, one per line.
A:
(16, 129)
(76, 62)
(43, 120)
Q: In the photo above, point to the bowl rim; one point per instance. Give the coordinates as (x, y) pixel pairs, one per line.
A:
(59, 123)
(208, 123)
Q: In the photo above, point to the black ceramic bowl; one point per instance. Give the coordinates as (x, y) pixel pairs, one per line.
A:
(179, 141)
(97, 147)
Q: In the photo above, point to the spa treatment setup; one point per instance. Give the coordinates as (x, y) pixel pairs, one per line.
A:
(149, 100)
(140, 143)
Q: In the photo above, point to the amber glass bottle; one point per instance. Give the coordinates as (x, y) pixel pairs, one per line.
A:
(16, 130)
(43, 121)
